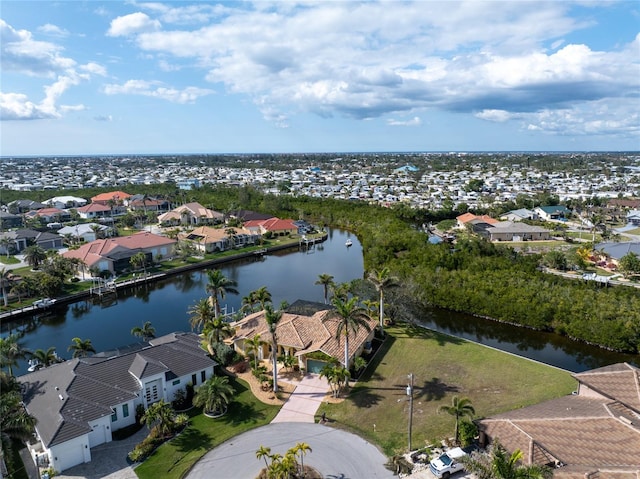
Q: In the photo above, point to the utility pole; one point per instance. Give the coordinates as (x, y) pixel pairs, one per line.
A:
(410, 394)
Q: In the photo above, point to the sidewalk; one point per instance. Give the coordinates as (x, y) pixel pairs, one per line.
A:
(304, 400)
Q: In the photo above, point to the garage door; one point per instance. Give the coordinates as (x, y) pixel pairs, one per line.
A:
(315, 366)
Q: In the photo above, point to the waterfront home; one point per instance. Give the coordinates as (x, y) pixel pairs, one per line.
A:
(80, 402)
(614, 252)
(85, 232)
(470, 218)
(190, 214)
(93, 210)
(112, 198)
(305, 328)
(274, 226)
(22, 238)
(114, 254)
(516, 231)
(552, 213)
(210, 240)
(593, 433)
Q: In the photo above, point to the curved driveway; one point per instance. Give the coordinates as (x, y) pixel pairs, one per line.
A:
(336, 454)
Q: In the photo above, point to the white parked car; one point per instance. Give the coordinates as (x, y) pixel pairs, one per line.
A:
(447, 463)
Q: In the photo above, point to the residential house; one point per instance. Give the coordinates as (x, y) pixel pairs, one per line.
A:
(80, 402)
(613, 252)
(210, 240)
(552, 213)
(112, 198)
(190, 214)
(274, 226)
(633, 217)
(142, 203)
(305, 327)
(93, 211)
(22, 206)
(515, 231)
(9, 220)
(49, 215)
(470, 218)
(519, 215)
(593, 433)
(10, 241)
(25, 237)
(85, 232)
(65, 202)
(114, 254)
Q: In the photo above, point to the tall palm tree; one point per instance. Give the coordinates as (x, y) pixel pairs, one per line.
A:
(81, 348)
(326, 280)
(218, 287)
(351, 317)
(273, 317)
(6, 244)
(5, 281)
(262, 296)
(253, 345)
(302, 448)
(46, 358)
(215, 330)
(497, 463)
(15, 421)
(139, 260)
(459, 408)
(214, 395)
(383, 281)
(201, 313)
(34, 256)
(11, 351)
(264, 453)
(146, 332)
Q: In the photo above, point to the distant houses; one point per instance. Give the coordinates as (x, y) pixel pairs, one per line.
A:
(495, 230)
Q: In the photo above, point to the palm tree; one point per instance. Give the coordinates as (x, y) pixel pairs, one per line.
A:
(262, 296)
(161, 413)
(201, 313)
(253, 345)
(497, 463)
(11, 351)
(302, 448)
(337, 376)
(146, 332)
(231, 234)
(459, 408)
(15, 421)
(383, 281)
(5, 281)
(218, 286)
(139, 260)
(215, 330)
(46, 358)
(264, 453)
(81, 348)
(273, 317)
(214, 395)
(351, 317)
(6, 243)
(35, 255)
(326, 280)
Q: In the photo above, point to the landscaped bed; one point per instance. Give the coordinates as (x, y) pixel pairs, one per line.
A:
(443, 366)
(174, 458)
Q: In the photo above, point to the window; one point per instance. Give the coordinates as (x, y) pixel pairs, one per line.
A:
(125, 410)
(194, 379)
(176, 382)
(114, 416)
(203, 376)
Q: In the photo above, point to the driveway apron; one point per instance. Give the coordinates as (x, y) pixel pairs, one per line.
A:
(304, 401)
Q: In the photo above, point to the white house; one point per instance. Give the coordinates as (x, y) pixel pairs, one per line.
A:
(78, 403)
(85, 231)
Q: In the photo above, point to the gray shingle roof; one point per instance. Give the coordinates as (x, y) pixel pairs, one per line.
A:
(66, 396)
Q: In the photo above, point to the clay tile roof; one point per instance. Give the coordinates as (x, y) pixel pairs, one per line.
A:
(112, 195)
(619, 381)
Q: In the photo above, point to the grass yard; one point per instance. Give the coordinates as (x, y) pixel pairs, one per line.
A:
(175, 458)
(443, 367)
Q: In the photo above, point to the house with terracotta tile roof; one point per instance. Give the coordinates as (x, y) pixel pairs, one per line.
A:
(594, 433)
(211, 240)
(275, 226)
(47, 215)
(114, 254)
(467, 218)
(190, 214)
(80, 402)
(305, 327)
(117, 197)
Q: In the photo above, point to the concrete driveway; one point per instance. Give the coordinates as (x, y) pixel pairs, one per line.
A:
(304, 401)
(336, 454)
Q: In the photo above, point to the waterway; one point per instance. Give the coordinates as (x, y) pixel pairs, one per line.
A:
(289, 276)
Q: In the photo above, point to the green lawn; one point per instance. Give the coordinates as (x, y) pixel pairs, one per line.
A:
(175, 458)
(443, 367)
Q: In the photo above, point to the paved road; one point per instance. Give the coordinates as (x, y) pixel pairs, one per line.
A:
(336, 454)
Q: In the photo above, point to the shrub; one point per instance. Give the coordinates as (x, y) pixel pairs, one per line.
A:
(467, 432)
(224, 353)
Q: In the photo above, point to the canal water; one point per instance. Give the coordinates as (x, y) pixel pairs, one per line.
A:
(289, 275)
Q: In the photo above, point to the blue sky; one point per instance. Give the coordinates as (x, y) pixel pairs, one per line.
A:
(113, 77)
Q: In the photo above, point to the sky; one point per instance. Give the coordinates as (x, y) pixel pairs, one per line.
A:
(126, 77)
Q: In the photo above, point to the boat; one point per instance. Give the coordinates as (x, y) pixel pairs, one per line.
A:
(34, 365)
(44, 303)
(349, 242)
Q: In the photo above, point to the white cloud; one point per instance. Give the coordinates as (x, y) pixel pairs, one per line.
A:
(16, 106)
(156, 90)
(132, 24)
(494, 115)
(415, 121)
(53, 30)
